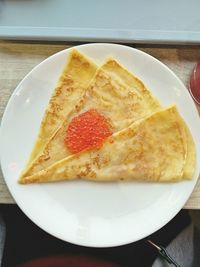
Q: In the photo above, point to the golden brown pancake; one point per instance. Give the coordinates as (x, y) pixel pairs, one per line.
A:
(75, 78)
(120, 73)
(190, 158)
(112, 96)
(150, 149)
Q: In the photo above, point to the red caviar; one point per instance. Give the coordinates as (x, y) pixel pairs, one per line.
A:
(87, 131)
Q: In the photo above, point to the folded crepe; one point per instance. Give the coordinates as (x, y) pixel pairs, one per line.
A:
(75, 78)
(157, 148)
(115, 93)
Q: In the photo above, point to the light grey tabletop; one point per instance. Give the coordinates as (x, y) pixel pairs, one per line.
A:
(141, 21)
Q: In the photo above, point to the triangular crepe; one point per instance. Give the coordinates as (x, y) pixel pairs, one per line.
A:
(188, 169)
(118, 95)
(116, 71)
(151, 149)
(75, 78)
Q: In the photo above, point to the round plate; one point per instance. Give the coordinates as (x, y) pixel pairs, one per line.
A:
(81, 212)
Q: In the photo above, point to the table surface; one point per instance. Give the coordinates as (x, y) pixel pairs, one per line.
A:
(18, 58)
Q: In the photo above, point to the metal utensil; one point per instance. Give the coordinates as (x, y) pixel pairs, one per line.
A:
(164, 254)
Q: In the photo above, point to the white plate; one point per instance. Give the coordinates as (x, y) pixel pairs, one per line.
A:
(86, 213)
